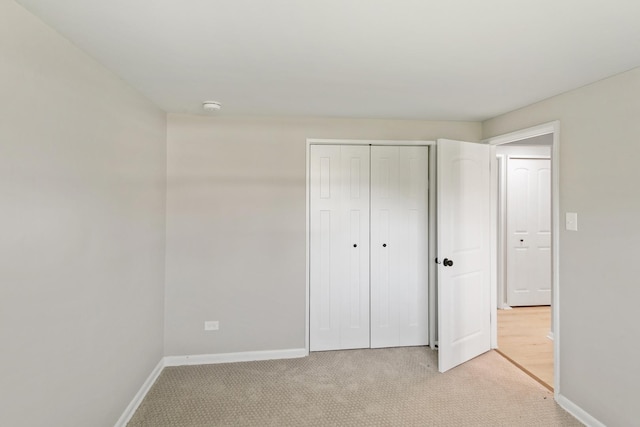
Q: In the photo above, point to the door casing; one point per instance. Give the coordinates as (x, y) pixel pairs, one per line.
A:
(552, 128)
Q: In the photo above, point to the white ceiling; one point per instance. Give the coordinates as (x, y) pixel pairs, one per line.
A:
(413, 59)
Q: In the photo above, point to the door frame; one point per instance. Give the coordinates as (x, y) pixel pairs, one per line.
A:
(431, 227)
(501, 254)
(552, 128)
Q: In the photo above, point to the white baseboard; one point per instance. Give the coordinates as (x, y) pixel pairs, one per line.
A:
(137, 399)
(580, 414)
(246, 356)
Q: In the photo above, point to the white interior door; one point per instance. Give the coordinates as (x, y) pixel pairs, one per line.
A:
(339, 247)
(399, 252)
(463, 171)
(528, 232)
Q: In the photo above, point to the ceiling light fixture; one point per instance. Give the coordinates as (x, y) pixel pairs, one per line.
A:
(211, 106)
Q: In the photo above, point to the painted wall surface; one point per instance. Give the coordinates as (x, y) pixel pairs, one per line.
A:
(82, 176)
(236, 224)
(522, 150)
(599, 270)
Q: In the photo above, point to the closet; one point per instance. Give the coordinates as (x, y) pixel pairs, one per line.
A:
(368, 246)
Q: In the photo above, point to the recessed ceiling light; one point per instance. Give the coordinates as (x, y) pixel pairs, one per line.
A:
(211, 106)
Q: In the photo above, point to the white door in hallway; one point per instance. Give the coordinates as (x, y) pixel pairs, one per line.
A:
(528, 231)
(339, 247)
(463, 171)
(399, 251)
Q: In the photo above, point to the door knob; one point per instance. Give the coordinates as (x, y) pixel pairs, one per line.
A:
(447, 262)
(384, 245)
(355, 245)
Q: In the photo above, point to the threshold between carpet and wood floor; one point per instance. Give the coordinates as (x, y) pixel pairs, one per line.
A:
(523, 339)
(383, 387)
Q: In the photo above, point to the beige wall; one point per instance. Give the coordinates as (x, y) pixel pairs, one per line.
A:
(82, 173)
(599, 270)
(236, 224)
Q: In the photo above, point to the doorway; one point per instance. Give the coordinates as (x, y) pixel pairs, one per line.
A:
(526, 280)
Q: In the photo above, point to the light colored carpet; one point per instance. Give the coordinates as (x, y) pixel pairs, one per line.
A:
(387, 387)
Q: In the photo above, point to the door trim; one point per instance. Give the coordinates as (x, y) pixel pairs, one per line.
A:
(432, 242)
(501, 171)
(543, 129)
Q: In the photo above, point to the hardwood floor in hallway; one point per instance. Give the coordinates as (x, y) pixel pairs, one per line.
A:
(522, 338)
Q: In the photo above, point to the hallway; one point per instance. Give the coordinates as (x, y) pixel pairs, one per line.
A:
(522, 338)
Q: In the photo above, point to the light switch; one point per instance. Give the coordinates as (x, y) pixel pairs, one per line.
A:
(571, 222)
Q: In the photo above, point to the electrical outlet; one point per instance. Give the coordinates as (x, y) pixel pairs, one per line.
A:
(211, 325)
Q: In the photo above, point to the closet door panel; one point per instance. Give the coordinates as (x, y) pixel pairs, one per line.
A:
(354, 321)
(339, 247)
(414, 193)
(399, 264)
(385, 260)
(326, 252)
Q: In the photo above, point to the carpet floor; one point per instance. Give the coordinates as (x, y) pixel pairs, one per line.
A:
(385, 387)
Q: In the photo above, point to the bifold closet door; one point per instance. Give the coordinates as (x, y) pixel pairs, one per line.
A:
(399, 246)
(339, 247)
